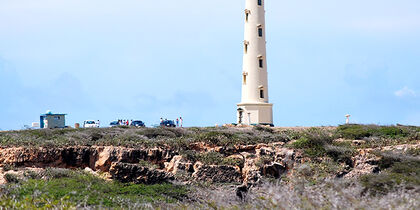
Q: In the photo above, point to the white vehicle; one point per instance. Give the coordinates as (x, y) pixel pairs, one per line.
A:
(91, 124)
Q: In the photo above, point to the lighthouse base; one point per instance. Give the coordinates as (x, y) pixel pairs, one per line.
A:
(255, 114)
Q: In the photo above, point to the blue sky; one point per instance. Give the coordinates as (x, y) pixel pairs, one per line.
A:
(136, 59)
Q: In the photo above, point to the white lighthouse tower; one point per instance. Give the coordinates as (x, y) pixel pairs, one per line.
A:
(254, 108)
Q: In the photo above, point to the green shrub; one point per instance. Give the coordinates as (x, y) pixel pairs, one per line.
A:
(390, 131)
(414, 151)
(397, 169)
(264, 129)
(11, 178)
(311, 147)
(9, 167)
(340, 153)
(153, 133)
(211, 158)
(264, 160)
(56, 173)
(84, 189)
(148, 164)
(31, 175)
(190, 155)
(215, 137)
(353, 131)
(215, 158)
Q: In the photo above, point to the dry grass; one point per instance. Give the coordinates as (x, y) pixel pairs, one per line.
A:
(330, 194)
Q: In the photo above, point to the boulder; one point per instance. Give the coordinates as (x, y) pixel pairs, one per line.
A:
(127, 172)
(275, 170)
(178, 163)
(364, 163)
(217, 174)
(250, 171)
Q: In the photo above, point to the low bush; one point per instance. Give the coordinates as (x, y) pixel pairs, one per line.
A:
(313, 147)
(57, 173)
(340, 153)
(264, 129)
(413, 151)
(9, 167)
(396, 169)
(264, 160)
(148, 164)
(211, 158)
(355, 131)
(12, 178)
(86, 190)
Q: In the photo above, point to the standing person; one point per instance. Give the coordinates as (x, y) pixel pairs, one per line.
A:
(161, 120)
(181, 121)
(177, 122)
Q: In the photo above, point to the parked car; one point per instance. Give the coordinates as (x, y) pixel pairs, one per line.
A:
(91, 124)
(167, 123)
(114, 124)
(138, 123)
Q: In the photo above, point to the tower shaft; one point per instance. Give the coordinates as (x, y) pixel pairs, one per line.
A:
(255, 107)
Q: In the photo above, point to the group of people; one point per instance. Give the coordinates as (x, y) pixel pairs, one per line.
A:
(179, 121)
(124, 122)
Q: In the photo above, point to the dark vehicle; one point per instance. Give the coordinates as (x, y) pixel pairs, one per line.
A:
(167, 123)
(138, 123)
(114, 124)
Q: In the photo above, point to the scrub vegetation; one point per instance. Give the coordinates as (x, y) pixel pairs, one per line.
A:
(318, 180)
(66, 188)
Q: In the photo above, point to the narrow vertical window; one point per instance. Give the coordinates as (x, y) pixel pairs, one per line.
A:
(261, 63)
(260, 31)
(259, 2)
(261, 93)
(247, 12)
(246, 47)
(244, 79)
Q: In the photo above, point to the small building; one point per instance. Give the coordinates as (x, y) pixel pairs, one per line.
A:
(50, 120)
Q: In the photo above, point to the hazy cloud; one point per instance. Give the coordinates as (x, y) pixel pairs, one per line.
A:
(388, 24)
(405, 92)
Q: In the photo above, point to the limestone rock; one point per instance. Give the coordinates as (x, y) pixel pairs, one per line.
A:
(126, 172)
(250, 171)
(178, 163)
(218, 174)
(275, 170)
(364, 163)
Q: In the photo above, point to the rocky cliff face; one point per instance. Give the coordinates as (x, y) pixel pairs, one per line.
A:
(245, 164)
(124, 163)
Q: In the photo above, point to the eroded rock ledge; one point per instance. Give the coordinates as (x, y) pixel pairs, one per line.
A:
(164, 164)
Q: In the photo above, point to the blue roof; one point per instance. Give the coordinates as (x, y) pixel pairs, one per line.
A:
(51, 114)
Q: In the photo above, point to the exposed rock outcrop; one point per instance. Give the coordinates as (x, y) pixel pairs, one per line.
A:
(97, 158)
(178, 163)
(250, 162)
(275, 170)
(126, 172)
(218, 174)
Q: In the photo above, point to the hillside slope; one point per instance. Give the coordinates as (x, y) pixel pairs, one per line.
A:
(190, 164)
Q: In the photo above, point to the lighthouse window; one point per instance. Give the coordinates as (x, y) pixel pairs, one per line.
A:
(261, 93)
(246, 47)
(259, 2)
(261, 63)
(244, 79)
(246, 17)
(260, 32)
